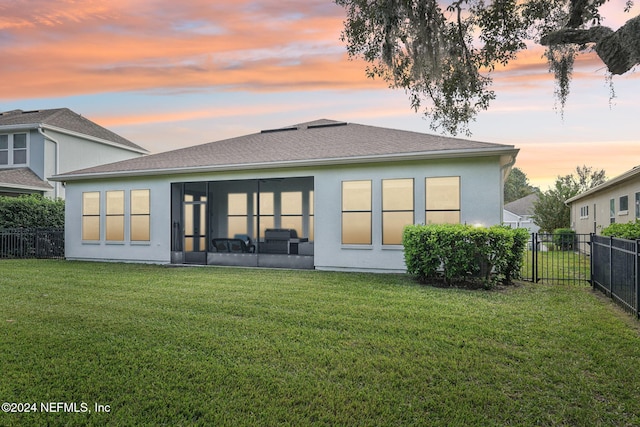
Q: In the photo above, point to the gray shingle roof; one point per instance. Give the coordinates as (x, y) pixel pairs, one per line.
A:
(65, 119)
(523, 206)
(313, 142)
(22, 178)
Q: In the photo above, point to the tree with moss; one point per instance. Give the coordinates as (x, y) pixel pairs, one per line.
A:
(443, 56)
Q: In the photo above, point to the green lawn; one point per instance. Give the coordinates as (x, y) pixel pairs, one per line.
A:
(222, 346)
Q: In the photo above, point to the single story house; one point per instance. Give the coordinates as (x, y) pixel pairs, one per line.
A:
(517, 214)
(617, 200)
(324, 194)
(37, 144)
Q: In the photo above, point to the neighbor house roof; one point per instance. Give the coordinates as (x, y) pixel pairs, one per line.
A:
(604, 186)
(22, 179)
(522, 206)
(66, 121)
(321, 142)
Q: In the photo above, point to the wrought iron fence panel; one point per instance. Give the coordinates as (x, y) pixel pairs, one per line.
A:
(557, 258)
(615, 270)
(32, 243)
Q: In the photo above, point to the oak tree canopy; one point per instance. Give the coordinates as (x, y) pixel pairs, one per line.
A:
(443, 53)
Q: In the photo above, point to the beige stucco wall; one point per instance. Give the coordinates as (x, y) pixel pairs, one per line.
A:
(599, 207)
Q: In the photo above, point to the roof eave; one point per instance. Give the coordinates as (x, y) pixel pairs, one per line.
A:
(22, 126)
(92, 138)
(431, 155)
(605, 185)
(7, 185)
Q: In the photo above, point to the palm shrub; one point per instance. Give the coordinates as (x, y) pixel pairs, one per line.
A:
(462, 253)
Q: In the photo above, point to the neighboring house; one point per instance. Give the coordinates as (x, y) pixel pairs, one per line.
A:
(325, 195)
(35, 145)
(517, 214)
(617, 200)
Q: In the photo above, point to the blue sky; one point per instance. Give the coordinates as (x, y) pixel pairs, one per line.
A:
(169, 74)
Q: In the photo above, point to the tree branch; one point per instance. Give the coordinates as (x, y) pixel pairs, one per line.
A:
(619, 50)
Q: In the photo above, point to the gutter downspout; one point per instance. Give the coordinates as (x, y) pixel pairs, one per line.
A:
(57, 162)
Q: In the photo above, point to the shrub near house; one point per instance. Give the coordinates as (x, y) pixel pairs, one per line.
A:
(630, 230)
(31, 211)
(464, 254)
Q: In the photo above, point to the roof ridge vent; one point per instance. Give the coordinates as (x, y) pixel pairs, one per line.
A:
(327, 125)
(278, 130)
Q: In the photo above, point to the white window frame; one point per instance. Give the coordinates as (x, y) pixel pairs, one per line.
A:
(11, 150)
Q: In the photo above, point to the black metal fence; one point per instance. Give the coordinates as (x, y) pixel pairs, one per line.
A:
(32, 243)
(557, 258)
(616, 264)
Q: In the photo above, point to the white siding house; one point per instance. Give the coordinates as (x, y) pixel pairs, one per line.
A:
(325, 195)
(35, 145)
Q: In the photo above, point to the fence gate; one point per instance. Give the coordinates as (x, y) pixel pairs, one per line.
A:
(558, 258)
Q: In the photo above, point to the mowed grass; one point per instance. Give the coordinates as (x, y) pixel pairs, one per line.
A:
(234, 347)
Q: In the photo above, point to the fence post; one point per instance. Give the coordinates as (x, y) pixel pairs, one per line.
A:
(637, 273)
(534, 251)
(591, 256)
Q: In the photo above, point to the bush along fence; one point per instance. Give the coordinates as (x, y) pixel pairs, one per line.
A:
(463, 254)
(32, 243)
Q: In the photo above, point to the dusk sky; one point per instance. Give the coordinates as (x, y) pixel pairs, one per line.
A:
(168, 74)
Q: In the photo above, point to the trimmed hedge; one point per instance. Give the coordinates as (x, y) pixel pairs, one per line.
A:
(630, 230)
(31, 211)
(464, 254)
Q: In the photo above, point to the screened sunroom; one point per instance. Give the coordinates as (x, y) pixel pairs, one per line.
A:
(258, 222)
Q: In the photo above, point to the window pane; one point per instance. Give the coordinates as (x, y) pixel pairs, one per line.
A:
(266, 204)
(115, 227)
(446, 217)
(91, 228)
(237, 203)
(612, 208)
(624, 203)
(311, 229)
(4, 157)
(393, 224)
(266, 222)
(356, 196)
(291, 203)
(91, 203)
(310, 202)
(237, 225)
(19, 140)
(397, 194)
(638, 205)
(443, 193)
(115, 202)
(356, 228)
(20, 157)
(140, 228)
(292, 222)
(140, 202)
(4, 142)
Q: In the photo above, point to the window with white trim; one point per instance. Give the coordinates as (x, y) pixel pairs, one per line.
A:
(356, 212)
(397, 209)
(13, 149)
(584, 212)
(442, 200)
(624, 205)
